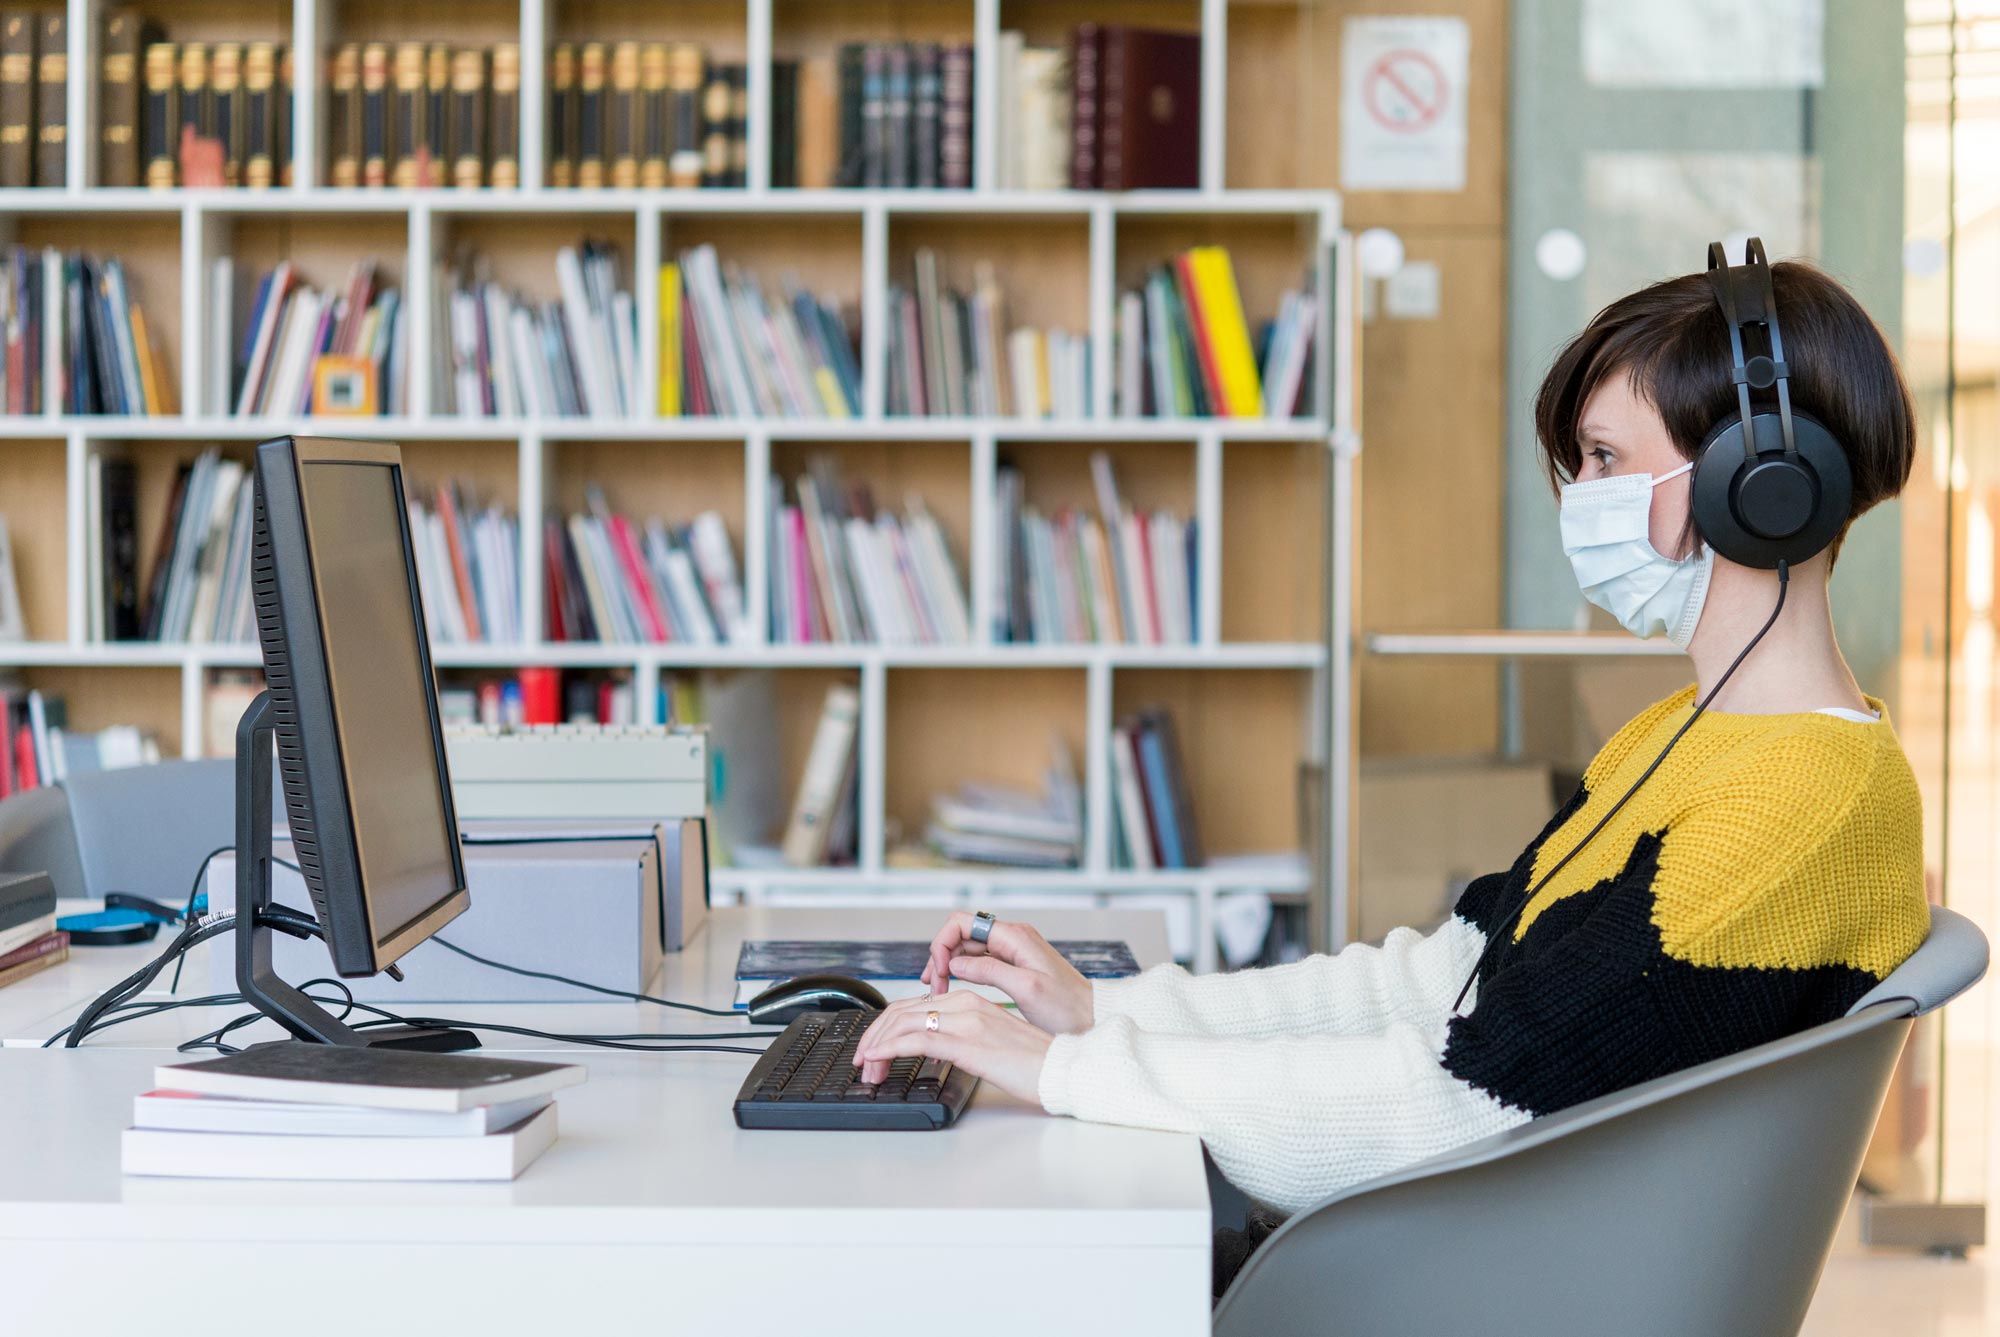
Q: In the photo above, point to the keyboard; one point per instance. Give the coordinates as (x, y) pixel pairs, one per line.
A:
(804, 1080)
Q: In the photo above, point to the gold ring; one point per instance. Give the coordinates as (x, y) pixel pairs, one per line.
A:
(930, 1021)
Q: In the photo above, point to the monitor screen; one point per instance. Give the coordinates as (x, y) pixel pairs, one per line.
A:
(376, 672)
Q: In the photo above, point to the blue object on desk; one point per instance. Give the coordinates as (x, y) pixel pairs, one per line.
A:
(124, 920)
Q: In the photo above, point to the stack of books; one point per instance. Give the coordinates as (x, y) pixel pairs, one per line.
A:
(206, 114)
(538, 695)
(728, 348)
(37, 747)
(302, 350)
(199, 587)
(507, 356)
(424, 114)
(617, 580)
(1122, 576)
(300, 1111)
(841, 570)
(34, 98)
(904, 113)
(76, 338)
(646, 114)
(1118, 108)
(30, 942)
(468, 566)
(947, 354)
(1183, 348)
(1154, 824)
(1006, 825)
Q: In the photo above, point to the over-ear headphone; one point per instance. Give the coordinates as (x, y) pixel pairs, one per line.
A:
(1771, 484)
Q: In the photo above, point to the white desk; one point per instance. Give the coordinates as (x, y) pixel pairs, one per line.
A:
(652, 1208)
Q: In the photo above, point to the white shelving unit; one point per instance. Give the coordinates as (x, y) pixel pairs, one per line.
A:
(207, 221)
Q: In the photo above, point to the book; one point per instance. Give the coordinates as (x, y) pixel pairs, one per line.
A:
(281, 137)
(261, 110)
(17, 98)
(785, 129)
(160, 116)
(590, 73)
(987, 823)
(495, 1156)
(52, 99)
(895, 968)
(561, 142)
(623, 113)
(655, 137)
(26, 931)
(410, 106)
(13, 622)
(1149, 109)
(468, 118)
(26, 898)
(55, 943)
(436, 156)
(715, 106)
(955, 113)
(504, 118)
(375, 1078)
(226, 95)
(125, 35)
(55, 956)
(685, 78)
(183, 1111)
(824, 783)
(343, 116)
(1086, 124)
(375, 114)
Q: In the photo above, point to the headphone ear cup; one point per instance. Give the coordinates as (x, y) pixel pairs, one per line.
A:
(1771, 509)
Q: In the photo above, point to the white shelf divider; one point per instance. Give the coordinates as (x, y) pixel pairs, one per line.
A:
(533, 96)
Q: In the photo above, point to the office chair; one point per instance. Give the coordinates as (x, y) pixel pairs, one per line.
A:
(1705, 1201)
(142, 830)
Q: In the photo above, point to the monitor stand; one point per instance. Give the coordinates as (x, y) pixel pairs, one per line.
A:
(256, 979)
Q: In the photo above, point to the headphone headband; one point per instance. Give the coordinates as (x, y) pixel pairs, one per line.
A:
(1746, 297)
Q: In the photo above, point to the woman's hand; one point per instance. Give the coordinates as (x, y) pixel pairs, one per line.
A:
(1018, 961)
(989, 1041)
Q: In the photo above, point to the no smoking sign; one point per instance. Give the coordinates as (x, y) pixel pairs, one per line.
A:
(1402, 103)
(1405, 91)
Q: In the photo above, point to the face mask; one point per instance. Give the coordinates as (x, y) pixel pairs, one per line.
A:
(1606, 534)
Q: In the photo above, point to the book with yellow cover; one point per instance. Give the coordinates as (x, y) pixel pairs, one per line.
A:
(670, 340)
(1228, 335)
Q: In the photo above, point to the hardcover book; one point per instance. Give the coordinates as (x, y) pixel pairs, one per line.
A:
(52, 100)
(17, 98)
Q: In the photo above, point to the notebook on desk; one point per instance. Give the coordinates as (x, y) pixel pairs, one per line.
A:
(895, 968)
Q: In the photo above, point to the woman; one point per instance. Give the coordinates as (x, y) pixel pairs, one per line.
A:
(1765, 876)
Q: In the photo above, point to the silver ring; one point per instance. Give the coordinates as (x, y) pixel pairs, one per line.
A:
(982, 926)
(930, 1021)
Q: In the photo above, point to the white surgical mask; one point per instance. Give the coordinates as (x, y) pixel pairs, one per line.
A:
(1607, 536)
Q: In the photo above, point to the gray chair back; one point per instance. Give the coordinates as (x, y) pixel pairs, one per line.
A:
(142, 830)
(1702, 1202)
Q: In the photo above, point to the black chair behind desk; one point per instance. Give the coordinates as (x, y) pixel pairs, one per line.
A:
(144, 830)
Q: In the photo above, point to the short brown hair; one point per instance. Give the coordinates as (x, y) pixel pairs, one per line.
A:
(1672, 340)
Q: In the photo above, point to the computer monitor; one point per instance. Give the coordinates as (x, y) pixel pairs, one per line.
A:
(353, 707)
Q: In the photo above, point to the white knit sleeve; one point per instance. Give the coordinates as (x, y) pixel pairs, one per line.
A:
(1411, 977)
(1288, 1119)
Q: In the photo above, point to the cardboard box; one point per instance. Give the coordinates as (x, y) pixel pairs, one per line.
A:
(1429, 825)
(593, 911)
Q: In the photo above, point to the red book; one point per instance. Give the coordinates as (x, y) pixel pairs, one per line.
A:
(24, 758)
(803, 603)
(1137, 519)
(606, 695)
(693, 383)
(643, 594)
(467, 599)
(541, 696)
(40, 947)
(1211, 376)
(559, 628)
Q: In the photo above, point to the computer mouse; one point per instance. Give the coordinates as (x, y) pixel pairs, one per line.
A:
(784, 1002)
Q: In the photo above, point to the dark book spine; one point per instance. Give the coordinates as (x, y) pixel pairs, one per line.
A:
(955, 119)
(851, 168)
(897, 136)
(411, 103)
(343, 117)
(17, 99)
(260, 61)
(1086, 58)
(926, 76)
(653, 140)
(685, 69)
(561, 147)
(623, 115)
(468, 118)
(226, 83)
(52, 100)
(784, 124)
(117, 97)
(281, 118)
(163, 555)
(590, 73)
(503, 118)
(739, 125)
(197, 111)
(162, 120)
(874, 115)
(121, 550)
(437, 115)
(715, 127)
(375, 114)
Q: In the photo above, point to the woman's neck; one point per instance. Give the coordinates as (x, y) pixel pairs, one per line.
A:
(1797, 666)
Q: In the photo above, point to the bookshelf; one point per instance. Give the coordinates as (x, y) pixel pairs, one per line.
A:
(1263, 693)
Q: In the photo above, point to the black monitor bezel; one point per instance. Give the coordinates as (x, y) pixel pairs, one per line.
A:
(321, 782)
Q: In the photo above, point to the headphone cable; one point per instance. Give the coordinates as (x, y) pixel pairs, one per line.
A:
(1501, 929)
